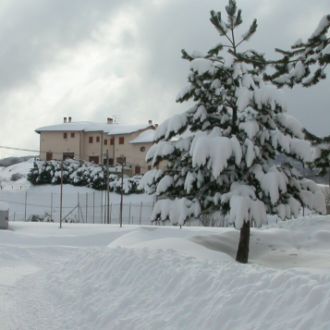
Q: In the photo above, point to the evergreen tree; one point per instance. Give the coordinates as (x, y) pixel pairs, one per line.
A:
(322, 160)
(220, 153)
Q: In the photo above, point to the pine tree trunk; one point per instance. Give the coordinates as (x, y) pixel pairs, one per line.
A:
(243, 245)
(234, 121)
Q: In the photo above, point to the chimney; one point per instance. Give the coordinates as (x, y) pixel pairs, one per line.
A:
(149, 122)
(69, 119)
(64, 120)
(109, 120)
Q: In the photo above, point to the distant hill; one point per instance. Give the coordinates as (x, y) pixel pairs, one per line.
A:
(5, 162)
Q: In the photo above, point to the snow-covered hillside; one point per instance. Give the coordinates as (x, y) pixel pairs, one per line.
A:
(14, 176)
(103, 277)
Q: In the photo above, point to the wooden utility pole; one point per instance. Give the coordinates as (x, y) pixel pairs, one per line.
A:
(93, 207)
(86, 209)
(51, 207)
(25, 206)
(108, 189)
(61, 194)
(122, 190)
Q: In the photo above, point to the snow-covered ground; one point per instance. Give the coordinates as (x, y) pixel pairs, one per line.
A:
(87, 276)
(94, 276)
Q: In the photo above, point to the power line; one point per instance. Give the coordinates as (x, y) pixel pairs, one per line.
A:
(19, 149)
(40, 152)
(37, 151)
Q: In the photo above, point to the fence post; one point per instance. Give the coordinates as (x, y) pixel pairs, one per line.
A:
(78, 207)
(101, 206)
(104, 196)
(93, 206)
(51, 206)
(110, 211)
(129, 213)
(140, 214)
(86, 205)
(61, 197)
(25, 206)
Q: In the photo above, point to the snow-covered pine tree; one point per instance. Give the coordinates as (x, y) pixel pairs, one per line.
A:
(322, 160)
(220, 153)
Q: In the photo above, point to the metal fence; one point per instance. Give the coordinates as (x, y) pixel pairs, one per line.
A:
(85, 207)
(77, 207)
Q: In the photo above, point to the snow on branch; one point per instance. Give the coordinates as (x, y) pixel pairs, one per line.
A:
(302, 149)
(149, 180)
(171, 126)
(273, 183)
(202, 66)
(244, 209)
(164, 184)
(250, 153)
(251, 128)
(215, 151)
(299, 148)
(291, 124)
(244, 206)
(286, 211)
(184, 93)
(177, 211)
(322, 27)
(159, 151)
(312, 196)
(268, 95)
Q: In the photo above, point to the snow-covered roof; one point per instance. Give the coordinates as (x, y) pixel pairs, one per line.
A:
(146, 136)
(87, 126)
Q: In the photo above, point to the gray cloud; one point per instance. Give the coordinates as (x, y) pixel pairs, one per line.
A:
(33, 32)
(95, 58)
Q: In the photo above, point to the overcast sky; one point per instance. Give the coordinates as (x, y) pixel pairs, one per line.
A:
(90, 59)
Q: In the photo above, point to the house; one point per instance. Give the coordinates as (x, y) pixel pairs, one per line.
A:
(97, 142)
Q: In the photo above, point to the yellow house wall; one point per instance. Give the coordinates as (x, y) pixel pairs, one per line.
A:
(54, 142)
(92, 149)
(132, 152)
(82, 149)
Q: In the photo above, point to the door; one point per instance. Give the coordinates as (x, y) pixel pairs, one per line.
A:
(94, 159)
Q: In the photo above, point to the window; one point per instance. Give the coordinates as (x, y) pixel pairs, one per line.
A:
(112, 141)
(105, 142)
(121, 140)
(72, 134)
(110, 161)
(137, 169)
(121, 160)
(97, 139)
(49, 156)
(68, 155)
(90, 139)
(65, 135)
(94, 159)
(143, 149)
